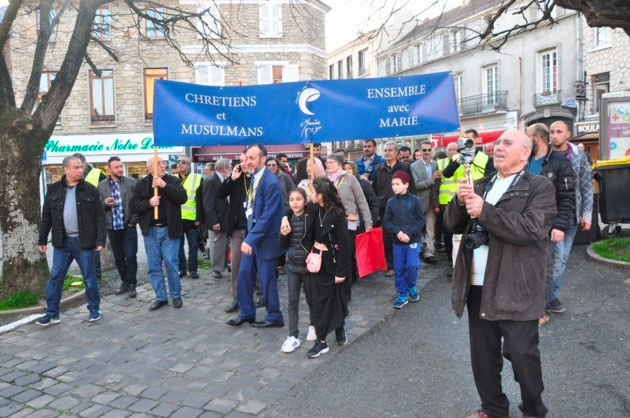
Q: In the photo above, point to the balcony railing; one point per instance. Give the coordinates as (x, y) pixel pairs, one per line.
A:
(482, 103)
(547, 98)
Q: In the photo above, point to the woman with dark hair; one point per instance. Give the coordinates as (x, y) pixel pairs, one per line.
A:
(326, 233)
(372, 200)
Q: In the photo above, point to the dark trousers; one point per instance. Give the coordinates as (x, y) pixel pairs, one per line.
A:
(252, 265)
(125, 247)
(448, 236)
(388, 244)
(353, 274)
(520, 347)
(192, 236)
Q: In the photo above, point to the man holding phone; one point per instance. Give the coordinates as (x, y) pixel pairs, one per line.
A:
(116, 191)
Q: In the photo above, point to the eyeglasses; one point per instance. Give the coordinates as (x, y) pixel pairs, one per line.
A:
(426, 150)
(272, 165)
(182, 162)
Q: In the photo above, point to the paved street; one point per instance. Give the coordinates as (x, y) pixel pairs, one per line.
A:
(417, 363)
(183, 362)
(188, 363)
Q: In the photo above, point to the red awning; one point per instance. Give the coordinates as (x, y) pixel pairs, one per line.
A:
(232, 152)
(483, 138)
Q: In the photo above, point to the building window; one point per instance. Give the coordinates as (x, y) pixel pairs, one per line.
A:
(209, 74)
(209, 24)
(51, 19)
(45, 80)
(102, 98)
(491, 85)
(602, 36)
(340, 69)
(417, 54)
(363, 61)
(601, 85)
(404, 59)
(276, 72)
(150, 75)
(102, 26)
(393, 64)
(457, 82)
(549, 72)
(349, 67)
(456, 41)
(331, 71)
(270, 20)
(151, 30)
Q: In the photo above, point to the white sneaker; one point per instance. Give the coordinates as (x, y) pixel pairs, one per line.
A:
(311, 336)
(290, 344)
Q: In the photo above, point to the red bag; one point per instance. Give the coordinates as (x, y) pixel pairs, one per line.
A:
(370, 252)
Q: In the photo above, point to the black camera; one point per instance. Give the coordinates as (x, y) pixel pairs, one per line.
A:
(466, 149)
(477, 237)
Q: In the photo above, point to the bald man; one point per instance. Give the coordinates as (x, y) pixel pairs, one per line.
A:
(505, 220)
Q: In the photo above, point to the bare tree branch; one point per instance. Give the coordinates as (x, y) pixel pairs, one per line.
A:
(7, 22)
(105, 47)
(90, 63)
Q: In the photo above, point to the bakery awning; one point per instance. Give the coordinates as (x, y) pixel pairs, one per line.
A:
(483, 138)
(232, 152)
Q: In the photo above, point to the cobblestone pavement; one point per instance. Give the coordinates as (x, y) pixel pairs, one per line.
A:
(179, 363)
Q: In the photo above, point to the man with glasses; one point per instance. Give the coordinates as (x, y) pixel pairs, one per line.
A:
(505, 220)
(424, 173)
(192, 216)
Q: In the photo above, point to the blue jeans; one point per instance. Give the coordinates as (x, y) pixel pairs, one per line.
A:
(266, 270)
(159, 247)
(192, 236)
(557, 256)
(125, 247)
(406, 266)
(62, 258)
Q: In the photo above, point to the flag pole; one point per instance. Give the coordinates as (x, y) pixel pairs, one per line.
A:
(155, 189)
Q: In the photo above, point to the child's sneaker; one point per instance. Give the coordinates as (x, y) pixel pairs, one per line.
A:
(413, 295)
(48, 319)
(312, 335)
(400, 302)
(320, 347)
(94, 316)
(290, 344)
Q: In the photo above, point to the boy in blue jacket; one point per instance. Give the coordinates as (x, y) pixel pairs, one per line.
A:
(404, 218)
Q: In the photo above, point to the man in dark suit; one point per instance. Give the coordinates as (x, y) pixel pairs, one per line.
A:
(264, 211)
(216, 214)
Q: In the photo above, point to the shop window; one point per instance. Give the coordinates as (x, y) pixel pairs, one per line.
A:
(150, 75)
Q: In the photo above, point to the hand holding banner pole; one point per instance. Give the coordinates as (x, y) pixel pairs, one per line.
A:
(155, 170)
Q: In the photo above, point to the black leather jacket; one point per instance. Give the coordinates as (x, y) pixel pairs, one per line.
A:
(90, 214)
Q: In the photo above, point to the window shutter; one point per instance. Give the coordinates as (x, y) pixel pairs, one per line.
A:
(291, 73)
(217, 76)
(276, 19)
(405, 59)
(202, 75)
(212, 27)
(264, 74)
(264, 18)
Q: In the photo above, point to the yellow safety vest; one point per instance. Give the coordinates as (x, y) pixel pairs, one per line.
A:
(93, 176)
(191, 184)
(448, 187)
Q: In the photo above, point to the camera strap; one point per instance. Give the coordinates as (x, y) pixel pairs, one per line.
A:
(494, 179)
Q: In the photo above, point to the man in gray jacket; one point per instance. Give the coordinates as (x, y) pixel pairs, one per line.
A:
(116, 191)
(424, 173)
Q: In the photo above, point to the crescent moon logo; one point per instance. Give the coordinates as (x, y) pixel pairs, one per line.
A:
(306, 96)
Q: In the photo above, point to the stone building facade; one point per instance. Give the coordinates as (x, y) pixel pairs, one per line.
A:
(530, 80)
(256, 42)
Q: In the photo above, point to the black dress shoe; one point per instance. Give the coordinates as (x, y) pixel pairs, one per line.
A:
(194, 275)
(232, 307)
(157, 304)
(430, 260)
(260, 302)
(182, 273)
(217, 274)
(177, 303)
(122, 289)
(238, 321)
(266, 324)
(132, 291)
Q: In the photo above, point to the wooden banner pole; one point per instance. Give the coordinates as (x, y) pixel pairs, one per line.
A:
(155, 170)
(312, 163)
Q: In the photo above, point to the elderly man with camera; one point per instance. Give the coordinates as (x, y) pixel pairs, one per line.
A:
(505, 220)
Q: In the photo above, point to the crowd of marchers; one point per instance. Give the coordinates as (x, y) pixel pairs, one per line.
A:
(506, 237)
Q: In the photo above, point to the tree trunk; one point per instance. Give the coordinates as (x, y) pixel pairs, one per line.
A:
(23, 266)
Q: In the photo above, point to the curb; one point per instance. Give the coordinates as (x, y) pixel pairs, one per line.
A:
(602, 260)
(68, 302)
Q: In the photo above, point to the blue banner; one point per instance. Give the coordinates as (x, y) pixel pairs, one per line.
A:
(308, 111)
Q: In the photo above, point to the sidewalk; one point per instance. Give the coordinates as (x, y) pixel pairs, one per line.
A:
(180, 363)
